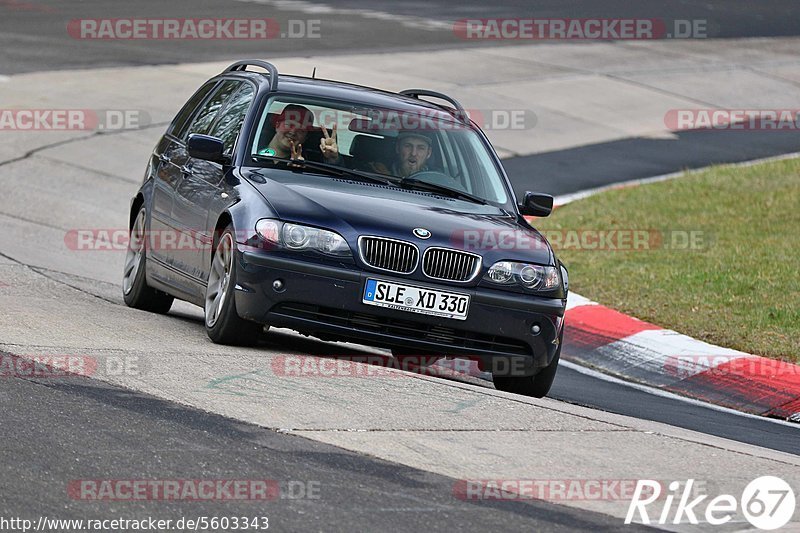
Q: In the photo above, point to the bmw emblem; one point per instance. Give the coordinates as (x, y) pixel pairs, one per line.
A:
(422, 233)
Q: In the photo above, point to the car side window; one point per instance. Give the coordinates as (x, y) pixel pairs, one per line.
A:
(231, 120)
(183, 116)
(208, 113)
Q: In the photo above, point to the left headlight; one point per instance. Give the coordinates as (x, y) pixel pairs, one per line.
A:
(302, 238)
(532, 277)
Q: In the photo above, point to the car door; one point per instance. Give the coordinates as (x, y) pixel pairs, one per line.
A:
(195, 184)
(168, 176)
(207, 176)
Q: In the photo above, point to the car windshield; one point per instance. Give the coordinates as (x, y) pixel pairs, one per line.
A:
(433, 150)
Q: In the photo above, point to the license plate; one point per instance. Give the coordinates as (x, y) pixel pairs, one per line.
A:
(416, 299)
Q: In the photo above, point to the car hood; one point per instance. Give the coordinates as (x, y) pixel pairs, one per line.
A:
(354, 208)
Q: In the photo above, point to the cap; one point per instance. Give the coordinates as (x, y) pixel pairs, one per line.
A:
(426, 136)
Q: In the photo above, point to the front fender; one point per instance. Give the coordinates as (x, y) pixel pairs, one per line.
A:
(243, 207)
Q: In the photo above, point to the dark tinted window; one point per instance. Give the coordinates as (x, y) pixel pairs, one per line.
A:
(205, 118)
(369, 139)
(230, 122)
(179, 124)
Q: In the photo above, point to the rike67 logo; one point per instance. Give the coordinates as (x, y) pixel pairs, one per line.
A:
(767, 503)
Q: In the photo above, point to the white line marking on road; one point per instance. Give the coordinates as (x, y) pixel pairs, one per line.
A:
(664, 394)
(4, 78)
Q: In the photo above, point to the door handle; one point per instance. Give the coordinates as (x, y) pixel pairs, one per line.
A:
(186, 170)
(163, 158)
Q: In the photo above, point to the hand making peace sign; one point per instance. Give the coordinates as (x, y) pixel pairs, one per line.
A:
(327, 145)
(297, 151)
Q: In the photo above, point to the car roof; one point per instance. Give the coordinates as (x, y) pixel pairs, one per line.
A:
(337, 90)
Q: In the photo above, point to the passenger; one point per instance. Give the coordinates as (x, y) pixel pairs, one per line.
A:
(292, 126)
(412, 151)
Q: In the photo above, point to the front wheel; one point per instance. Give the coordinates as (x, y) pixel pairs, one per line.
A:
(537, 385)
(223, 323)
(135, 290)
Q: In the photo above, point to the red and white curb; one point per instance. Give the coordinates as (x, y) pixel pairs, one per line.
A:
(620, 345)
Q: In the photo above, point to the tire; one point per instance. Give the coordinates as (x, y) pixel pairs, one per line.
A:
(537, 385)
(135, 291)
(223, 323)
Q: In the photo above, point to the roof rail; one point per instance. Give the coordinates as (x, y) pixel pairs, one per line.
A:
(460, 114)
(269, 67)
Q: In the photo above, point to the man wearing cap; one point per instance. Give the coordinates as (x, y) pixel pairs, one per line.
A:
(413, 149)
(291, 129)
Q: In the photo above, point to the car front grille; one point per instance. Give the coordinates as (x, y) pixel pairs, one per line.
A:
(389, 254)
(404, 329)
(450, 265)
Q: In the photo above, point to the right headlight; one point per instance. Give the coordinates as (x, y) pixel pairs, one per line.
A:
(532, 277)
(302, 238)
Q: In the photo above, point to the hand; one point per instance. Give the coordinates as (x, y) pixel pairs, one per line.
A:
(327, 145)
(380, 168)
(297, 151)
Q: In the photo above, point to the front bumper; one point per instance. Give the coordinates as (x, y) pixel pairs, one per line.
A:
(325, 301)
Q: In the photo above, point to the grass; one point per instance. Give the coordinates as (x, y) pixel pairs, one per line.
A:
(739, 289)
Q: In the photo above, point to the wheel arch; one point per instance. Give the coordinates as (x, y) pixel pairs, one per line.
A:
(223, 221)
(136, 205)
(243, 215)
(142, 197)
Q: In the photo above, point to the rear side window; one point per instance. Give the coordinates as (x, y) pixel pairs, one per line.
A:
(230, 122)
(182, 118)
(208, 113)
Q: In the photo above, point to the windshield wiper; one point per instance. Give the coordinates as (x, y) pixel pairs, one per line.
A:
(325, 168)
(413, 183)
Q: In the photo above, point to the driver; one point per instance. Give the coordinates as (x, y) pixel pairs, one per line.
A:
(412, 151)
(291, 129)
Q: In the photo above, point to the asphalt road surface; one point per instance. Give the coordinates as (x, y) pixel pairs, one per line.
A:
(34, 33)
(581, 389)
(58, 432)
(595, 165)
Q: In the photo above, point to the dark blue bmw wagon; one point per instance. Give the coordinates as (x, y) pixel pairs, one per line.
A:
(349, 214)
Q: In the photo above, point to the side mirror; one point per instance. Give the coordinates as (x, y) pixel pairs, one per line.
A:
(207, 148)
(536, 204)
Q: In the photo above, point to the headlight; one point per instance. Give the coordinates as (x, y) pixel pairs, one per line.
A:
(296, 237)
(302, 238)
(533, 277)
(269, 230)
(502, 272)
